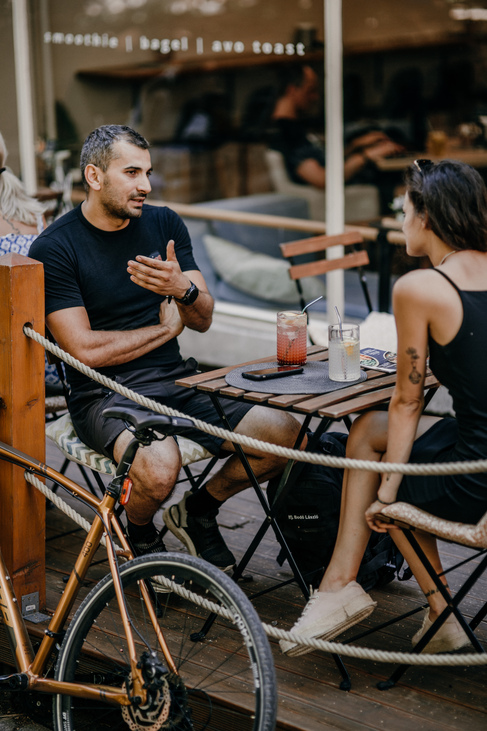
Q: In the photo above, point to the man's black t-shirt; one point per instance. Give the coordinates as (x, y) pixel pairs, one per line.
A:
(87, 267)
(290, 138)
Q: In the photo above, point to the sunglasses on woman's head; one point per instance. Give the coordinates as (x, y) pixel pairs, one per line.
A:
(423, 165)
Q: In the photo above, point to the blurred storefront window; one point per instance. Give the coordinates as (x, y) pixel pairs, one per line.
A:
(198, 78)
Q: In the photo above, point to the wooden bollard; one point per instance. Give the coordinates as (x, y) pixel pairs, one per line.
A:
(22, 424)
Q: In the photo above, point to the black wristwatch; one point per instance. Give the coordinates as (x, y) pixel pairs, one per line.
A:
(189, 296)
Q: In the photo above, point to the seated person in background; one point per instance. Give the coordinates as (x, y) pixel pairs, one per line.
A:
(117, 310)
(304, 157)
(21, 221)
(440, 312)
(21, 216)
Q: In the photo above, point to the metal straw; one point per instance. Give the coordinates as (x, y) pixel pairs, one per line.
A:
(339, 322)
(311, 303)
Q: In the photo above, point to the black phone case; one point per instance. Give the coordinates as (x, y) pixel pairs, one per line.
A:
(251, 376)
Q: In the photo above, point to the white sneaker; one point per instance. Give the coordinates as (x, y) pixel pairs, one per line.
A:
(328, 614)
(449, 637)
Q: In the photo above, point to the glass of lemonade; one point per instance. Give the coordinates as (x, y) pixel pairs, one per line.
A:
(291, 338)
(344, 352)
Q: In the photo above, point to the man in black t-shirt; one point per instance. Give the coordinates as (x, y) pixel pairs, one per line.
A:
(117, 309)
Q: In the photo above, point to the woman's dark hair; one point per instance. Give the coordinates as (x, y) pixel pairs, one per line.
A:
(454, 198)
(98, 146)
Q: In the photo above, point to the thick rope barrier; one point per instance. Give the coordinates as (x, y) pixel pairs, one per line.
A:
(410, 658)
(467, 659)
(278, 634)
(444, 468)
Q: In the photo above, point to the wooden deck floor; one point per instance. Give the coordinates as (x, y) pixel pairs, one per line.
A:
(427, 699)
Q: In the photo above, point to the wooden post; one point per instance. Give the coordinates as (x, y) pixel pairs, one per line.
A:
(22, 422)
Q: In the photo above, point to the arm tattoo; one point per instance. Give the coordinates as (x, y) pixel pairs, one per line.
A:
(415, 375)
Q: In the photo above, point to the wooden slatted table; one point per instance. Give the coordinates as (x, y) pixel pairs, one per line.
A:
(334, 406)
(338, 405)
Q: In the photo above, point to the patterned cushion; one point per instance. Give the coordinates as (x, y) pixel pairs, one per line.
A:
(191, 451)
(63, 434)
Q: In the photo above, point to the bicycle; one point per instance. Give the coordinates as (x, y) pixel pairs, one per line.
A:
(136, 654)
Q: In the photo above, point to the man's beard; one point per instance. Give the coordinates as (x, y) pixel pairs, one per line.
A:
(115, 209)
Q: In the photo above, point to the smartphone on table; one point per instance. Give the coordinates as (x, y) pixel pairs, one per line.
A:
(275, 372)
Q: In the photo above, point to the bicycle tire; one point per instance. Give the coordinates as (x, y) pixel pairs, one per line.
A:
(226, 681)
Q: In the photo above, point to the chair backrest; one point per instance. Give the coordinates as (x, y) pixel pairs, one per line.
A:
(316, 248)
(480, 532)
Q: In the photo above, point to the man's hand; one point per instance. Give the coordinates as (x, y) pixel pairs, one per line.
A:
(382, 148)
(367, 139)
(162, 277)
(170, 317)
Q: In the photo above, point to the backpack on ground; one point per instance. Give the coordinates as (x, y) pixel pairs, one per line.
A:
(308, 517)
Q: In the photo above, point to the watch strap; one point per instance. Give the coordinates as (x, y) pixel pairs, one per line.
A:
(189, 296)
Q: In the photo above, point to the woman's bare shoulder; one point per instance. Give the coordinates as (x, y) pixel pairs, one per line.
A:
(420, 282)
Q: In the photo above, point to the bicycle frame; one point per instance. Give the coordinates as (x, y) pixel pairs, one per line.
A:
(30, 665)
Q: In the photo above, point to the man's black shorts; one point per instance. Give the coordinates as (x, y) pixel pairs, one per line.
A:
(99, 433)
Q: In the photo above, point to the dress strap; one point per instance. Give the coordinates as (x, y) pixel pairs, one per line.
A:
(450, 280)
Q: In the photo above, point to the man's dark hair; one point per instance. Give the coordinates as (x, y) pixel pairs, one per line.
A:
(454, 198)
(98, 147)
(292, 75)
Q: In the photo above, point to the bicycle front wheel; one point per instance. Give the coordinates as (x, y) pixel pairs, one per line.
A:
(224, 680)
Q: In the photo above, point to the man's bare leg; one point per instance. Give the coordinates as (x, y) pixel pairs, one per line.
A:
(154, 474)
(267, 425)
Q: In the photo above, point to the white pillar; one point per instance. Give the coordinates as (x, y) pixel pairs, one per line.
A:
(334, 194)
(47, 73)
(23, 84)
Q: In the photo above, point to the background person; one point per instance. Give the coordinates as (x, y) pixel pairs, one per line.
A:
(21, 221)
(21, 216)
(304, 155)
(119, 311)
(440, 311)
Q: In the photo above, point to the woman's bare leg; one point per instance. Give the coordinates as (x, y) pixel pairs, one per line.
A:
(429, 545)
(367, 441)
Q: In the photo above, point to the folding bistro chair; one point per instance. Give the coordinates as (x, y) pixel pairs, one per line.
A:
(307, 258)
(410, 519)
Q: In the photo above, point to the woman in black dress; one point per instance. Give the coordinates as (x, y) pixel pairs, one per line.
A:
(439, 312)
